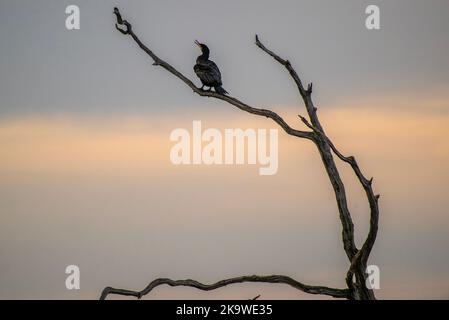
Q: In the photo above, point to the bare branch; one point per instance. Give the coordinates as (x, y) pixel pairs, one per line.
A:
(373, 201)
(326, 148)
(235, 102)
(362, 255)
(307, 123)
(358, 259)
(321, 142)
(336, 293)
(288, 66)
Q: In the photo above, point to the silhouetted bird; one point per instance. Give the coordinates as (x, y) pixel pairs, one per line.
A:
(207, 70)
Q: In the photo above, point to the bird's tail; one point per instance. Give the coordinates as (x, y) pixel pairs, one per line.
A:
(220, 90)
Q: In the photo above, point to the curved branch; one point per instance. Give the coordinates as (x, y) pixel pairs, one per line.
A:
(358, 259)
(373, 201)
(322, 144)
(235, 102)
(305, 94)
(336, 293)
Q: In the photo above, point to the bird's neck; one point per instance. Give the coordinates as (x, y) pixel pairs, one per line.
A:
(204, 56)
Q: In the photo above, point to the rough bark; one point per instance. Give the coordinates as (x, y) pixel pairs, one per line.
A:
(337, 293)
(358, 258)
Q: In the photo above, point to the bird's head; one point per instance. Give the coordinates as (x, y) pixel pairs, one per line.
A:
(204, 49)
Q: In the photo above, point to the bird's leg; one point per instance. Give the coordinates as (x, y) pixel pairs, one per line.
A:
(210, 88)
(202, 87)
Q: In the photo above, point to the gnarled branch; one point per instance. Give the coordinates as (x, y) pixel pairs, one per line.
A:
(358, 258)
(373, 199)
(323, 146)
(336, 293)
(235, 102)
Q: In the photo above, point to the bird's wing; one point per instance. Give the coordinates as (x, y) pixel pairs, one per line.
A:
(214, 69)
(208, 72)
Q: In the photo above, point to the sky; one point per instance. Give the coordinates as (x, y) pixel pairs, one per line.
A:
(85, 120)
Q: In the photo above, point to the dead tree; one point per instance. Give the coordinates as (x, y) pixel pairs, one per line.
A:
(358, 258)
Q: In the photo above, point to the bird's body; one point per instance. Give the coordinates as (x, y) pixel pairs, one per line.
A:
(208, 71)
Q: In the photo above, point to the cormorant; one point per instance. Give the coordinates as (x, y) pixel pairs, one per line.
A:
(207, 70)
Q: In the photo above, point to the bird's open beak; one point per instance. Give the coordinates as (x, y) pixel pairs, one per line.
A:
(198, 43)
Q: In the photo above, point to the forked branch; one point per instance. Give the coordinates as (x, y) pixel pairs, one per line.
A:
(357, 258)
(235, 102)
